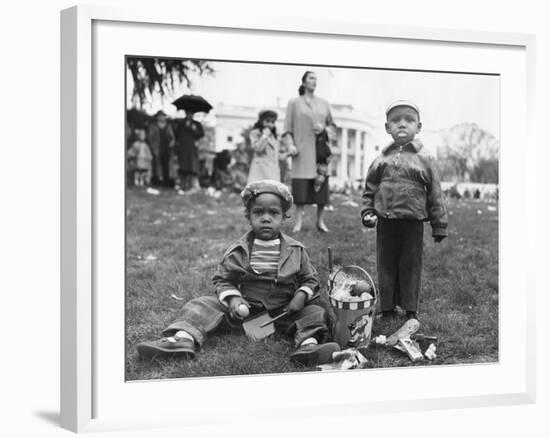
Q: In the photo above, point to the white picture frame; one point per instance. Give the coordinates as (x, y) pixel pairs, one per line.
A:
(87, 377)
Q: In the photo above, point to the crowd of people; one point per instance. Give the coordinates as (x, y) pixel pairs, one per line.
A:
(166, 153)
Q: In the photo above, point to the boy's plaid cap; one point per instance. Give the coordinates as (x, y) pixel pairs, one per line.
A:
(402, 102)
(267, 186)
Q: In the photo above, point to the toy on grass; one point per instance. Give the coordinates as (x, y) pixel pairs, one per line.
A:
(260, 326)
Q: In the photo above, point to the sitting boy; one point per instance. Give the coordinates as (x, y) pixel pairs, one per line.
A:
(263, 270)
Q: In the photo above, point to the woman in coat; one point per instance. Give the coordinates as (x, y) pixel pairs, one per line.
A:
(308, 116)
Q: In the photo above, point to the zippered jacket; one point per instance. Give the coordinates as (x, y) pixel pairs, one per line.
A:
(235, 277)
(403, 183)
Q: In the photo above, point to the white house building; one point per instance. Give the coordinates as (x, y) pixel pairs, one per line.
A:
(354, 150)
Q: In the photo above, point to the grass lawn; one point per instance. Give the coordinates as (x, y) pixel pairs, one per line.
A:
(175, 242)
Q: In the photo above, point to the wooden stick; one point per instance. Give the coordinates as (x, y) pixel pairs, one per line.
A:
(271, 321)
(280, 315)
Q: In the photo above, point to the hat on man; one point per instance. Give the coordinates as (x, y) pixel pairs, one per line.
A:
(402, 102)
(256, 188)
(160, 113)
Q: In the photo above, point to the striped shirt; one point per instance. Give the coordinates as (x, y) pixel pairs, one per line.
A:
(264, 257)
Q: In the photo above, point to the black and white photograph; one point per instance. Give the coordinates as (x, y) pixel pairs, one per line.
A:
(288, 219)
(285, 218)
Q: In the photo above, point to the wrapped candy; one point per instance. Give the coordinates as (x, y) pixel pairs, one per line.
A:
(349, 359)
(430, 352)
(410, 348)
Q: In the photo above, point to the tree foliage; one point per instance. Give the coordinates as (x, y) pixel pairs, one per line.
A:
(469, 154)
(162, 75)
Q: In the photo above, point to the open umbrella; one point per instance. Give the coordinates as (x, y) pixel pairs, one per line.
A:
(190, 102)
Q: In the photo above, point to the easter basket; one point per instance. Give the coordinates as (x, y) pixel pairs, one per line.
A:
(354, 314)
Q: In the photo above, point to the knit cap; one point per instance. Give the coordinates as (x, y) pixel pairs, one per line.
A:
(256, 188)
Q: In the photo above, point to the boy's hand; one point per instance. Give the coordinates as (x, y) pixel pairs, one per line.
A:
(297, 303)
(438, 239)
(235, 309)
(369, 220)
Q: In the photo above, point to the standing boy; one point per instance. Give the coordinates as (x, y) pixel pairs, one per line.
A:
(402, 190)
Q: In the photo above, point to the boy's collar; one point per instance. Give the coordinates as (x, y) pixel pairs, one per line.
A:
(416, 144)
(246, 239)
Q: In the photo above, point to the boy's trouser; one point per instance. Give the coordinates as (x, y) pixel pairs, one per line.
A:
(399, 245)
(202, 315)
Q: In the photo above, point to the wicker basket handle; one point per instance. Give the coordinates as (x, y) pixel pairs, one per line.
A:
(354, 267)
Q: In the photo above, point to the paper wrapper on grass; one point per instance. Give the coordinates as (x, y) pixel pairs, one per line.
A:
(410, 327)
(349, 359)
(430, 352)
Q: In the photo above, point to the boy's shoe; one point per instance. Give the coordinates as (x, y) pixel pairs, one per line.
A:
(167, 347)
(386, 314)
(410, 314)
(315, 354)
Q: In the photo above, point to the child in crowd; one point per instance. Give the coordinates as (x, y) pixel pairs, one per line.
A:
(140, 152)
(263, 270)
(267, 150)
(402, 190)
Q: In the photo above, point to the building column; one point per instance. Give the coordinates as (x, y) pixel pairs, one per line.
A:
(357, 159)
(366, 161)
(343, 173)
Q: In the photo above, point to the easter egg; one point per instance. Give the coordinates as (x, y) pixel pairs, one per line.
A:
(243, 310)
(365, 296)
(360, 288)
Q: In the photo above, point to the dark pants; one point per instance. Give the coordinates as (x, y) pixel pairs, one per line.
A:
(399, 260)
(203, 315)
(164, 158)
(188, 180)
